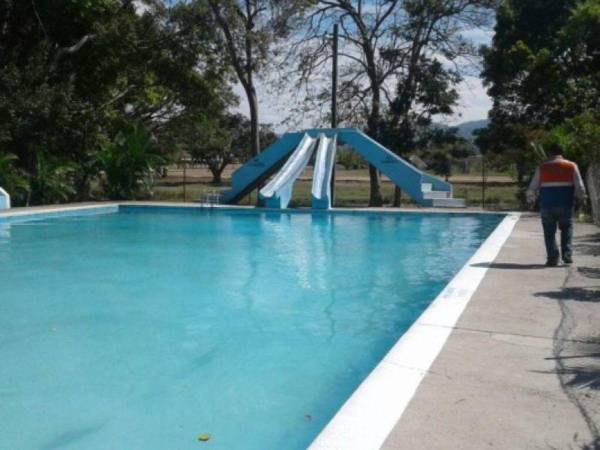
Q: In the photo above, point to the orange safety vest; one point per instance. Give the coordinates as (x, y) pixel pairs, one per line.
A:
(557, 183)
(557, 172)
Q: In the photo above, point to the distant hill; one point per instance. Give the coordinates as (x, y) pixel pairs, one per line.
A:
(465, 129)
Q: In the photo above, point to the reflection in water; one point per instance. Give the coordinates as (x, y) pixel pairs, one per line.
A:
(325, 257)
(4, 232)
(292, 245)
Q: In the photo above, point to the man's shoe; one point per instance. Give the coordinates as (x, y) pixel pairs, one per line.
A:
(551, 263)
(567, 260)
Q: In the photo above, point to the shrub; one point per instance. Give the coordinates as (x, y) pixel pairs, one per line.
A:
(129, 164)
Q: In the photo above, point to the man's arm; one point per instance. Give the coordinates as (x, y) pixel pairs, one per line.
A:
(534, 186)
(578, 184)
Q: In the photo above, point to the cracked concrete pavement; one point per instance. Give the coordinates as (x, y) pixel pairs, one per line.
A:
(521, 369)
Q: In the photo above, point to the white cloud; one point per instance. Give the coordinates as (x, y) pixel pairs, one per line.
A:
(479, 36)
(474, 103)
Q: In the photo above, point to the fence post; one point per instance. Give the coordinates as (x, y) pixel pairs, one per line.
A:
(184, 181)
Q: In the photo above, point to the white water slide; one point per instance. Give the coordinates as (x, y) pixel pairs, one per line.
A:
(278, 192)
(324, 164)
(4, 199)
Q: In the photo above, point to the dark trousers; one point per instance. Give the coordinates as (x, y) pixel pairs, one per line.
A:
(563, 219)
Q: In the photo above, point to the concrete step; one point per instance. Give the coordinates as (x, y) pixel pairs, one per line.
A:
(435, 194)
(448, 203)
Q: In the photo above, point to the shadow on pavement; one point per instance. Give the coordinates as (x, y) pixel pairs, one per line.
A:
(589, 272)
(577, 365)
(576, 294)
(589, 238)
(583, 370)
(509, 266)
(588, 245)
(592, 445)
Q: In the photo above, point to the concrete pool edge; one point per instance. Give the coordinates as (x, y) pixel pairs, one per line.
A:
(73, 210)
(371, 412)
(40, 213)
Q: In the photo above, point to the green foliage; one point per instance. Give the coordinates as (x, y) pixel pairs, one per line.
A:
(350, 160)
(580, 137)
(218, 140)
(512, 144)
(445, 151)
(74, 73)
(129, 164)
(12, 179)
(428, 90)
(52, 181)
(209, 142)
(543, 65)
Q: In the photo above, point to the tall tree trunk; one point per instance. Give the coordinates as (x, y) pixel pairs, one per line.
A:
(254, 125)
(216, 175)
(375, 198)
(250, 89)
(397, 197)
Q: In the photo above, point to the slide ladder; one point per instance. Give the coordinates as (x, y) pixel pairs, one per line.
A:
(278, 193)
(324, 165)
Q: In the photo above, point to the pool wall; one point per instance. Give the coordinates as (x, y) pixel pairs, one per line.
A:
(368, 416)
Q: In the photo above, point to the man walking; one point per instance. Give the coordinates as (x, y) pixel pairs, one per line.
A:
(559, 183)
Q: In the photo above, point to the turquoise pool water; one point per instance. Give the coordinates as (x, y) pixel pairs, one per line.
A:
(145, 328)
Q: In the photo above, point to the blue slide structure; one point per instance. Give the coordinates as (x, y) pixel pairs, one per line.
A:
(424, 189)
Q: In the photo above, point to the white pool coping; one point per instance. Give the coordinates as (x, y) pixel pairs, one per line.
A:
(370, 413)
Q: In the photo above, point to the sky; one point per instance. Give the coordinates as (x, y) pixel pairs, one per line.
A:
(474, 103)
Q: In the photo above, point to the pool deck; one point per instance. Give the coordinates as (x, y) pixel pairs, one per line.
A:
(521, 368)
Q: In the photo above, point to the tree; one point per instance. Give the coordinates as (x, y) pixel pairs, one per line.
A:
(382, 42)
(513, 142)
(218, 141)
(580, 137)
(426, 89)
(73, 74)
(543, 65)
(445, 148)
(249, 28)
(542, 72)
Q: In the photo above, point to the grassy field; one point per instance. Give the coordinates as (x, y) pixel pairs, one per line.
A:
(352, 189)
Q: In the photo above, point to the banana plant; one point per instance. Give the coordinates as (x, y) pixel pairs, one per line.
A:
(128, 164)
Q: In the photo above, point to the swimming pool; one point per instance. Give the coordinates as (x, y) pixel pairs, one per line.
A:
(147, 327)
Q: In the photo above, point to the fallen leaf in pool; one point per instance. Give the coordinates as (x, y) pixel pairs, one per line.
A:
(308, 417)
(204, 437)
